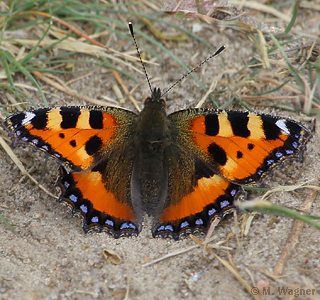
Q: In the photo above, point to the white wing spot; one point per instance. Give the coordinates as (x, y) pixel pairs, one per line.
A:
(27, 117)
(282, 125)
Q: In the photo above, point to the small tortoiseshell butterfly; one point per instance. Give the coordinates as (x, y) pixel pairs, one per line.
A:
(184, 169)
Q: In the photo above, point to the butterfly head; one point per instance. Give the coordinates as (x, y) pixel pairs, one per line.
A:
(155, 98)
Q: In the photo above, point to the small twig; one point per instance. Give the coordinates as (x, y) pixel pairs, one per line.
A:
(175, 253)
(294, 235)
(22, 169)
(65, 89)
(234, 271)
(125, 89)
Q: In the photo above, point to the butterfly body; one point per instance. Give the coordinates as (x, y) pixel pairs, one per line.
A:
(153, 136)
(184, 169)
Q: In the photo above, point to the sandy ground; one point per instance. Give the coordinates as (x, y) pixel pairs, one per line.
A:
(52, 258)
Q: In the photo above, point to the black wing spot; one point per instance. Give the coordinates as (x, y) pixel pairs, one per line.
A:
(61, 135)
(239, 123)
(212, 125)
(93, 145)
(250, 146)
(218, 154)
(239, 154)
(73, 143)
(101, 167)
(271, 130)
(96, 119)
(40, 121)
(202, 169)
(70, 116)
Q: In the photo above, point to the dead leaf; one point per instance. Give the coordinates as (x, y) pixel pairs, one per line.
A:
(112, 257)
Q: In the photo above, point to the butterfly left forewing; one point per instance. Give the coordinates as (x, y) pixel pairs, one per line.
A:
(76, 137)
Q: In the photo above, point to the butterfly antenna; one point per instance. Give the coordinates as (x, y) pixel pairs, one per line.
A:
(144, 68)
(194, 69)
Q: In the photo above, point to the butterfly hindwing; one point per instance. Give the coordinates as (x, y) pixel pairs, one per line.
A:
(101, 208)
(196, 196)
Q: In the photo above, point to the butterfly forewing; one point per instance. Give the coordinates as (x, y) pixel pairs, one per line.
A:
(77, 137)
(242, 147)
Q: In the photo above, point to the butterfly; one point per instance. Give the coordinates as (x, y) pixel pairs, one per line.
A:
(184, 169)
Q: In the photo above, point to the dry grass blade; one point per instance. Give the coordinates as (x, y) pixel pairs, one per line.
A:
(79, 47)
(67, 90)
(160, 34)
(178, 252)
(269, 274)
(263, 8)
(232, 270)
(289, 188)
(22, 169)
(224, 17)
(212, 87)
(112, 257)
(126, 90)
(267, 207)
(78, 32)
(172, 254)
(293, 237)
(261, 204)
(309, 5)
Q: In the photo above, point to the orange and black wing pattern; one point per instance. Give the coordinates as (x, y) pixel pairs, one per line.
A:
(242, 147)
(76, 137)
(86, 141)
(221, 150)
(185, 169)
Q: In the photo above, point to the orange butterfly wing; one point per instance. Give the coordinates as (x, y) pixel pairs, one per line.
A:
(226, 149)
(85, 140)
(243, 147)
(77, 137)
